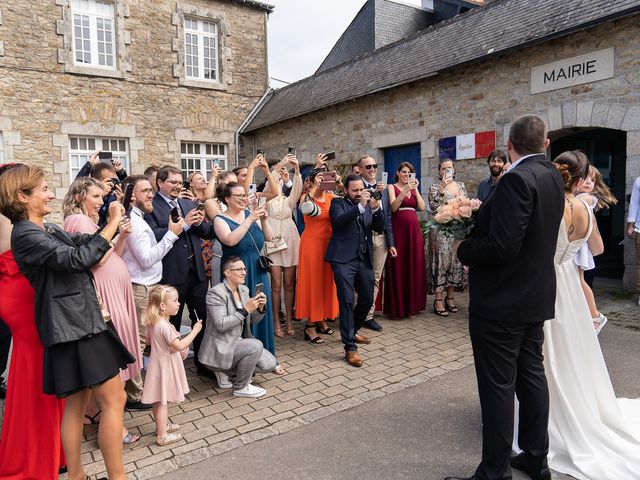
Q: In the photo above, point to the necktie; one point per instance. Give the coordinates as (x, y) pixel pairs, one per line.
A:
(175, 204)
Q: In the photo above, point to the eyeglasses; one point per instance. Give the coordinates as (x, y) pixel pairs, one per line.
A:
(369, 167)
(239, 269)
(173, 182)
(240, 196)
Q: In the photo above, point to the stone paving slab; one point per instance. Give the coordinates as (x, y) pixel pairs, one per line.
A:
(319, 383)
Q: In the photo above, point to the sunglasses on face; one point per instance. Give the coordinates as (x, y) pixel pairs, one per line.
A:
(372, 166)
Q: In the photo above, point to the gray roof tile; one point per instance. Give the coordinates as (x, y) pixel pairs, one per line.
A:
(499, 27)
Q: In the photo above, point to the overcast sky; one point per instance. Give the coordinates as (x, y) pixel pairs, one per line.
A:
(302, 32)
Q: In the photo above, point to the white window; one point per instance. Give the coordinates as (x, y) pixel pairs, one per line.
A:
(1, 148)
(81, 148)
(200, 157)
(93, 33)
(201, 49)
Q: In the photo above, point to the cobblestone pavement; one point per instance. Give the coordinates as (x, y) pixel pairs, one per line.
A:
(319, 383)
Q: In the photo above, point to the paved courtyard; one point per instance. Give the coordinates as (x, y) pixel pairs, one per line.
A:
(318, 384)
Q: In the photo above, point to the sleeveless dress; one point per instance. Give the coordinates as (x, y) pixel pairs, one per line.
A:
(280, 210)
(584, 258)
(166, 380)
(250, 254)
(316, 293)
(113, 283)
(592, 434)
(30, 446)
(405, 291)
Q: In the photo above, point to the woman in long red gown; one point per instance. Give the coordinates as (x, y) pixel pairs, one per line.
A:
(405, 278)
(30, 446)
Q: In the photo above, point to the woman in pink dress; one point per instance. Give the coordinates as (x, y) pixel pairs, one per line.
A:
(405, 278)
(113, 282)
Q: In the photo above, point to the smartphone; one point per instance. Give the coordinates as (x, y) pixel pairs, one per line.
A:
(252, 188)
(259, 288)
(412, 176)
(186, 185)
(175, 215)
(260, 151)
(385, 178)
(200, 207)
(328, 181)
(330, 155)
(128, 192)
(448, 173)
(105, 157)
(292, 151)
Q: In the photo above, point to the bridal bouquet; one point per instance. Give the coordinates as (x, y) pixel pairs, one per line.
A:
(454, 218)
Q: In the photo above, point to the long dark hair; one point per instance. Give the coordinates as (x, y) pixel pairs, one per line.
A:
(411, 168)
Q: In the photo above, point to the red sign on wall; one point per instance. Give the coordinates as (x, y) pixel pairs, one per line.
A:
(485, 143)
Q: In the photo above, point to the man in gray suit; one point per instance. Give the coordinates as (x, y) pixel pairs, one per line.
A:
(228, 346)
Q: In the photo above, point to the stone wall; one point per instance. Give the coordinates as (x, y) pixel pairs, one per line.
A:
(473, 98)
(42, 104)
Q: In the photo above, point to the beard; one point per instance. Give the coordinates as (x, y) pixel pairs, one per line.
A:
(495, 172)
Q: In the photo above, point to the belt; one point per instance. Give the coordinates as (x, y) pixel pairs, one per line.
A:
(407, 208)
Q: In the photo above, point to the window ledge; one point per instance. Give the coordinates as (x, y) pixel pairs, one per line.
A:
(94, 71)
(192, 82)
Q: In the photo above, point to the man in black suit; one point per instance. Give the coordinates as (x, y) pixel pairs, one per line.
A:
(353, 219)
(512, 292)
(382, 242)
(182, 266)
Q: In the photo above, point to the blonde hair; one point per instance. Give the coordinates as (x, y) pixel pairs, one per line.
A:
(157, 296)
(73, 203)
(601, 190)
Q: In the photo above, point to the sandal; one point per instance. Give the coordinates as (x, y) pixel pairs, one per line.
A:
(451, 308)
(441, 313)
(278, 332)
(168, 439)
(279, 370)
(316, 339)
(130, 438)
(173, 427)
(290, 330)
(326, 331)
(92, 420)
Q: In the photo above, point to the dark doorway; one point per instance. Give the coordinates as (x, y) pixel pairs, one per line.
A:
(607, 150)
(394, 156)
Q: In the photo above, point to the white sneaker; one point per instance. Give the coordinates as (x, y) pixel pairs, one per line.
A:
(223, 380)
(250, 391)
(603, 321)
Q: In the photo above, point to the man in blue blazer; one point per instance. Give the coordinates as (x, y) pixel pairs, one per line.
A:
(353, 220)
(383, 243)
(183, 266)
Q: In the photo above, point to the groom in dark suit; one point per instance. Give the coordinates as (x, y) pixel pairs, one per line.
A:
(512, 289)
(353, 220)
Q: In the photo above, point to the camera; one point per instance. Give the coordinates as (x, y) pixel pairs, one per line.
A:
(376, 195)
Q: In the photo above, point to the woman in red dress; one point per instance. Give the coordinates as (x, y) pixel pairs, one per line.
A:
(405, 278)
(30, 446)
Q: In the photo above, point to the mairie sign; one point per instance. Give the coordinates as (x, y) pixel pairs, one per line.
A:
(471, 145)
(569, 72)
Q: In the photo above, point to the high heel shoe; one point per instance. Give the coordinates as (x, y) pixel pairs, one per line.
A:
(451, 308)
(440, 313)
(326, 331)
(317, 339)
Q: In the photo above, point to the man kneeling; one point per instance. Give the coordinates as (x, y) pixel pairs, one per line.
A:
(228, 346)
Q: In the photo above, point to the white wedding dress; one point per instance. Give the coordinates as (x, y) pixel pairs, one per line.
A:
(592, 435)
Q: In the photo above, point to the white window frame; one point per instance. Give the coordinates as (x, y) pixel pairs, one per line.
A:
(86, 145)
(202, 161)
(203, 33)
(89, 11)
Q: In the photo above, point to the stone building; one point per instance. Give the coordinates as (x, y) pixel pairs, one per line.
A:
(155, 82)
(576, 63)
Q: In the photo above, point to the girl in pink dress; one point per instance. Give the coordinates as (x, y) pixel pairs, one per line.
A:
(166, 380)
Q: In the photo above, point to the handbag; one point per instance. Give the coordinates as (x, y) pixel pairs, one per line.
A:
(264, 261)
(277, 243)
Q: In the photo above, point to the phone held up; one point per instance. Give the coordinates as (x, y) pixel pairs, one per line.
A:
(448, 174)
(329, 181)
(175, 215)
(384, 178)
(186, 185)
(292, 151)
(105, 157)
(126, 201)
(259, 288)
(412, 176)
(330, 155)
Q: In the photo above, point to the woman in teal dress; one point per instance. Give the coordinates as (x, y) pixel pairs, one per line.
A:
(239, 233)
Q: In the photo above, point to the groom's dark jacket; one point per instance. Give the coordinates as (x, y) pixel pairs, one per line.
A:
(510, 253)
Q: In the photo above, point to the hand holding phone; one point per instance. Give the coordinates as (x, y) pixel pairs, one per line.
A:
(175, 215)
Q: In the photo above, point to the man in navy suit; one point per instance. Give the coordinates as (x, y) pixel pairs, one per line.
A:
(353, 220)
(183, 266)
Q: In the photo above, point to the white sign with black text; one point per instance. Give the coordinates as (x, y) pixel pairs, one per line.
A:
(569, 72)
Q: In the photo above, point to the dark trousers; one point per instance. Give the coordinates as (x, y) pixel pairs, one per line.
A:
(508, 360)
(5, 343)
(192, 293)
(353, 277)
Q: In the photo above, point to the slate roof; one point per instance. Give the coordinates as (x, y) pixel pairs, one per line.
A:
(488, 31)
(252, 3)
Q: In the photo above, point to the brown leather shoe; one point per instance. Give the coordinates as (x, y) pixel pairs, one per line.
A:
(362, 339)
(353, 359)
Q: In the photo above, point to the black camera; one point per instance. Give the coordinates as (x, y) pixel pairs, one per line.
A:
(376, 195)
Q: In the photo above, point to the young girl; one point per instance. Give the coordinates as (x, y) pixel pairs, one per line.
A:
(596, 195)
(166, 380)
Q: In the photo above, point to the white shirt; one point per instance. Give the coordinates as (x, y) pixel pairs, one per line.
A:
(514, 164)
(143, 253)
(634, 203)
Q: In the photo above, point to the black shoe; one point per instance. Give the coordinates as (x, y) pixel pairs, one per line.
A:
(535, 467)
(138, 406)
(372, 324)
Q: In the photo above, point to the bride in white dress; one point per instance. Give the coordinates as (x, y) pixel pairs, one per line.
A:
(592, 435)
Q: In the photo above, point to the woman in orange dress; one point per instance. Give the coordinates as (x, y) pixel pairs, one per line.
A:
(316, 295)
